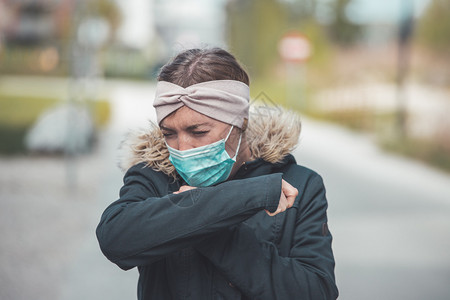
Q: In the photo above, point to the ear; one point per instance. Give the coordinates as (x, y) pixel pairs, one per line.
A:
(244, 125)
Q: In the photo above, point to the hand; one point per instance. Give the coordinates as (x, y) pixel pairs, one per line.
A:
(184, 188)
(287, 198)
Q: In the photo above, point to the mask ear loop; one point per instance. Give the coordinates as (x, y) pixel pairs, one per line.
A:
(228, 135)
(237, 149)
(239, 144)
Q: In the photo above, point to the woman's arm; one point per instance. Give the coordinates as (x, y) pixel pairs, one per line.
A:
(258, 270)
(144, 226)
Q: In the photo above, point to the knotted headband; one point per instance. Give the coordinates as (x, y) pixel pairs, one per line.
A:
(223, 100)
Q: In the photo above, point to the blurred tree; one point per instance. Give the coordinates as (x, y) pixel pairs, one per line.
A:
(341, 29)
(40, 33)
(322, 51)
(300, 10)
(434, 27)
(254, 28)
(106, 9)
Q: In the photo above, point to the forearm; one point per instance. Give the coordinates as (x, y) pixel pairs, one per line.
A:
(138, 231)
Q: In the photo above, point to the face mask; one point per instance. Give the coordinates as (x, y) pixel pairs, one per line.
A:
(205, 165)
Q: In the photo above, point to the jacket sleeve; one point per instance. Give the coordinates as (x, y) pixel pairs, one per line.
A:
(258, 270)
(144, 225)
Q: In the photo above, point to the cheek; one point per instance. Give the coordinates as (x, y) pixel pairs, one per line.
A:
(172, 142)
(198, 141)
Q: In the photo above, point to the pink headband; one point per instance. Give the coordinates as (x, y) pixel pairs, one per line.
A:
(223, 100)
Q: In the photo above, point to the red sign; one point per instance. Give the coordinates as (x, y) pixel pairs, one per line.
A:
(294, 47)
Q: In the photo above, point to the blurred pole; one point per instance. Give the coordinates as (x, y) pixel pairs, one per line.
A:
(295, 49)
(73, 53)
(295, 85)
(404, 50)
(89, 33)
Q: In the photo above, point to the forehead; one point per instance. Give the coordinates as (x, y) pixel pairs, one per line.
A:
(185, 117)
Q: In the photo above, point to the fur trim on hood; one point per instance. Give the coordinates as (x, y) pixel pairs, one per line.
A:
(272, 133)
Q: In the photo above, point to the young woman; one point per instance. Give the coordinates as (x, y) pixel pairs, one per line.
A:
(213, 204)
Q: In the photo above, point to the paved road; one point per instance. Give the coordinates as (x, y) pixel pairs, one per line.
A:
(390, 217)
(92, 276)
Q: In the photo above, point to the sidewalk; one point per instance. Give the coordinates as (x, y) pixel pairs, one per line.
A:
(389, 216)
(91, 275)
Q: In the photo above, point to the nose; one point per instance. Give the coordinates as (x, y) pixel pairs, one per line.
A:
(184, 142)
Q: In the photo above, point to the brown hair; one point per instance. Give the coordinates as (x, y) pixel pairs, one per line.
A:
(199, 65)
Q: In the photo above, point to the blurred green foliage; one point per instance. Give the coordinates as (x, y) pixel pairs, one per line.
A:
(274, 90)
(31, 58)
(125, 63)
(341, 30)
(22, 60)
(18, 113)
(22, 111)
(101, 112)
(107, 9)
(434, 27)
(254, 29)
(433, 152)
(355, 119)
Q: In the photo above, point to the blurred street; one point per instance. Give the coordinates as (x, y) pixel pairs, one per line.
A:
(91, 275)
(390, 216)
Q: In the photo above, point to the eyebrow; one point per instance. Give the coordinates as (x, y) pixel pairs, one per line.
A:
(165, 128)
(189, 128)
(195, 126)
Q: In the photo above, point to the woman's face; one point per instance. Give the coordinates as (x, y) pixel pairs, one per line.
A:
(186, 129)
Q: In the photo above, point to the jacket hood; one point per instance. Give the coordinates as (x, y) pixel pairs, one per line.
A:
(272, 133)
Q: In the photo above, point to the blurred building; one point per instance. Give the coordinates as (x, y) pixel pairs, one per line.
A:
(54, 36)
(37, 35)
(34, 22)
(381, 20)
(152, 31)
(34, 35)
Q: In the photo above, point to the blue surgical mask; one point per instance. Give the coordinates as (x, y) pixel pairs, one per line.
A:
(206, 165)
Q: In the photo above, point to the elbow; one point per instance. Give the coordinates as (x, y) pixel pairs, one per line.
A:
(109, 243)
(329, 288)
(115, 246)
(106, 242)
(109, 235)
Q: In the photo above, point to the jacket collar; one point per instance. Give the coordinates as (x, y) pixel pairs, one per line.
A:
(272, 133)
(259, 167)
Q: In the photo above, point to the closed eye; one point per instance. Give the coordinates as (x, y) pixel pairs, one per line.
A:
(200, 133)
(168, 134)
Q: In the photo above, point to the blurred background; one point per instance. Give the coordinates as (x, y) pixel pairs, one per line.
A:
(370, 78)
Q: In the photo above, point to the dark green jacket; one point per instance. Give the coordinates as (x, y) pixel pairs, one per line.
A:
(218, 242)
